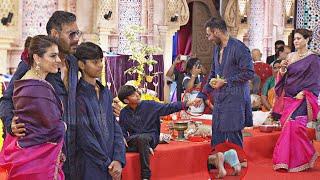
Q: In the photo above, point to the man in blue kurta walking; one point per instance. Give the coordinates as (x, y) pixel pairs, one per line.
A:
(231, 70)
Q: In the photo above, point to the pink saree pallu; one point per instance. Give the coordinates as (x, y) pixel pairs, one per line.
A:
(37, 155)
(294, 151)
(38, 162)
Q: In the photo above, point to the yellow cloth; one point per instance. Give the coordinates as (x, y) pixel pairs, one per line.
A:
(271, 97)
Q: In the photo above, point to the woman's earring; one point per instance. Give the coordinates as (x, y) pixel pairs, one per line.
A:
(38, 67)
(38, 70)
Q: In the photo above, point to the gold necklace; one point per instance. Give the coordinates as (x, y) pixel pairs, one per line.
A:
(36, 73)
(304, 54)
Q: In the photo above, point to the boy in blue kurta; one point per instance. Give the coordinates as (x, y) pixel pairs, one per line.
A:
(100, 148)
(140, 124)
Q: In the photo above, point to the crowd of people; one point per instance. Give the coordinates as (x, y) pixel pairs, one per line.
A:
(67, 125)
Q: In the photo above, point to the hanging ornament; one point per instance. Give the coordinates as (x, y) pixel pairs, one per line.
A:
(150, 68)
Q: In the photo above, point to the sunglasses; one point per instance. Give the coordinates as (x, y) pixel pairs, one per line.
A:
(74, 34)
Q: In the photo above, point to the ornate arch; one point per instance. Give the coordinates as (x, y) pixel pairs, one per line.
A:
(209, 4)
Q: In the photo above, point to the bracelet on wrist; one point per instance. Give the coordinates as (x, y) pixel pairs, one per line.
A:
(283, 71)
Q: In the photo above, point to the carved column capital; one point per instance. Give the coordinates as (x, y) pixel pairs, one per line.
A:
(178, 8)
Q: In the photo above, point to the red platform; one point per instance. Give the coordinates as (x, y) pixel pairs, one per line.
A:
(187, 160)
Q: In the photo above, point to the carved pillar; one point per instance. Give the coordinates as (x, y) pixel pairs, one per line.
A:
(166, 31)
(36, 14)
(256, 23)
(129, 14)
(165, 35)
(85, 16)
(308, 13)
(9, 33)
(278, 19)
(269, 29)
(232, 17)
(106, 29)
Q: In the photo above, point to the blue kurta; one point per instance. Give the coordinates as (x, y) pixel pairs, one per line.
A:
(66, 96)
(146, 119)
(232, 104)
(100, 140)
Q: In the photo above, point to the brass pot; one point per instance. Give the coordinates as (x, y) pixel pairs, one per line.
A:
(180, 126)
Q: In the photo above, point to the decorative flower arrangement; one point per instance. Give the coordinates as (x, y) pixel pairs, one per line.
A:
(142, 58)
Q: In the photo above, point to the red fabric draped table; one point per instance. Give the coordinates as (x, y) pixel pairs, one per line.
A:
(187, 160)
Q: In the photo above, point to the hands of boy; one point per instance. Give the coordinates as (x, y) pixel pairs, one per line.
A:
(125, 142)
(151, 151)
(115, 170)
(116, 107)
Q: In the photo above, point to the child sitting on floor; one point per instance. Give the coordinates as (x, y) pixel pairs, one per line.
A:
(230, 157)
(140, 124)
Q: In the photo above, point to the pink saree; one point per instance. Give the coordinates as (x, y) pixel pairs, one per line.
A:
(294, 151)
(37, 155)
(39, 162)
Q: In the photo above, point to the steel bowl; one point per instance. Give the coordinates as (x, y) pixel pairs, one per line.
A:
(266, 128)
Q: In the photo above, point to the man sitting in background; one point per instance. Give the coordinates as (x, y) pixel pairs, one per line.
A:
(277, 45)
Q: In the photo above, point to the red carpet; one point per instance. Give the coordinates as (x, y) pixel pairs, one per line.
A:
(259, 151)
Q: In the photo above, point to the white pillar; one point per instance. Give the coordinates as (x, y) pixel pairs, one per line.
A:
(3, 61)
(166, 44)
(256, 23)
(129, 14)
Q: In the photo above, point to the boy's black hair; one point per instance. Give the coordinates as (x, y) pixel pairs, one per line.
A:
(58, 19)
(88, 51)
(125, 91)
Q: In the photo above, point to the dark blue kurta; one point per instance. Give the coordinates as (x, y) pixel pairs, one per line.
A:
(66, 96)
(146, 119)
(232, 104)
(100, 140)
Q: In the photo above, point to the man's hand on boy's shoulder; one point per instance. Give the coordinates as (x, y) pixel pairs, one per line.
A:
(125, 142)
(116, 107)
(115, 170)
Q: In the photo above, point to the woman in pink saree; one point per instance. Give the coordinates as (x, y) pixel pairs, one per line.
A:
(37, 155)
(298, 86)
